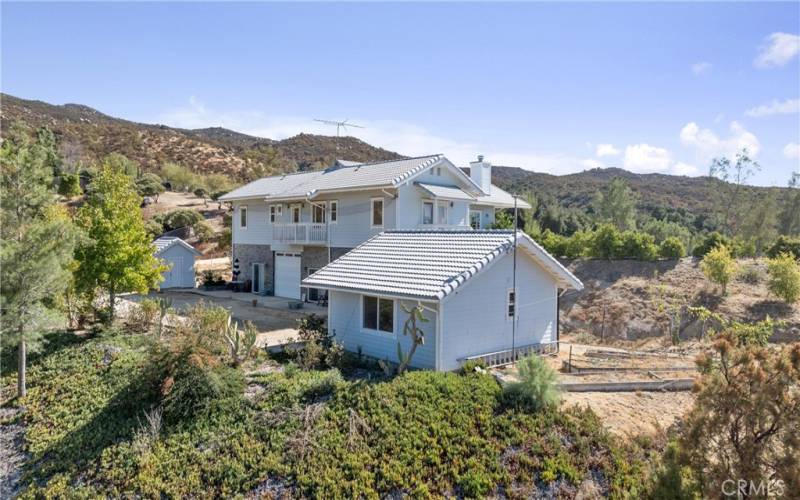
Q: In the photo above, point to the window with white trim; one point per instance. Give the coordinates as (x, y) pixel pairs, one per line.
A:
(511, 303)
(295, 214)
(441, 212)
(475, 219)
(377, 314)
(376, 214)
(318, 212)
(427, 212)
(334, 211)
(275, 212)
(243, 217)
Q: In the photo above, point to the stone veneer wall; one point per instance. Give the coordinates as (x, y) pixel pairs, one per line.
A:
(248, 254)
(317, 257)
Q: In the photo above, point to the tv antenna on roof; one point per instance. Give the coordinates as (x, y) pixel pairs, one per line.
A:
(339, 125)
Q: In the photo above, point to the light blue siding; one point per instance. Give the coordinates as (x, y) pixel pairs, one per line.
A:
(344, 321)
(181, 260)
(475, 317)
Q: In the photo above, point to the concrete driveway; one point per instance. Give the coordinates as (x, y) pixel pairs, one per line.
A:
(275, 326)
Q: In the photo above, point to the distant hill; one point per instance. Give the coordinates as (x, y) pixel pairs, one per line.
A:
(85, 134)
(694, 194)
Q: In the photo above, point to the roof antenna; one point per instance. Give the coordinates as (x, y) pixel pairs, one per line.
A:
(339, 126)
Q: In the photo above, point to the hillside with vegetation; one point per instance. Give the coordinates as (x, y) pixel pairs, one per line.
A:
(85, 136)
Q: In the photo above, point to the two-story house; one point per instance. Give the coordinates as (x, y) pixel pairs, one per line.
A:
(287, 227)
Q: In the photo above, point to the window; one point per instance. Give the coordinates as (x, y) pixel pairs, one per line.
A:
(441, 212)
(334, 211)
(377, 212)
(512, 303)
(318, 213)
(475, 219)
(378, 314)
(243, 217)
(427, 212)
(439, 171)
(295, 214)
(275, 212)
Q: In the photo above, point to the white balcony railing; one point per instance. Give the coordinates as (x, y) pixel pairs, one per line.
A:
(302, 233)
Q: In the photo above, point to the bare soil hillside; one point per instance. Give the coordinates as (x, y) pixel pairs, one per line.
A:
(630, 300)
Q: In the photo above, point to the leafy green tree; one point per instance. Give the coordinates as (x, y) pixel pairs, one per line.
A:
(149, 185)
(70, 185)
(503, 220)
(122, 164)
(719, 267)
(789, 218)
(732, 191)
(617, 205)
(639, 246)
(606, 242)
(153, 228)
(712, 241)
(119, 256)
(759, 224)
(672, 248)
(37, 243)
(784, 277)
(785, 244)
(181, 217)
(179, 177)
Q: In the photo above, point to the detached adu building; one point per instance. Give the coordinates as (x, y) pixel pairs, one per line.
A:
(464, 281)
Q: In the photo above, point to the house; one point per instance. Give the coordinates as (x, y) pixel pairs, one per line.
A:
(464, 280)
(180, 256)
(286, 227)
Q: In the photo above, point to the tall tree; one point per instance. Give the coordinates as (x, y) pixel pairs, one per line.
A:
(617, 204)
(119, 256)
(37, 242)
(731, 192)
(789, 218)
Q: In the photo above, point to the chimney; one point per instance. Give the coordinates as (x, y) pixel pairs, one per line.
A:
(481, 173)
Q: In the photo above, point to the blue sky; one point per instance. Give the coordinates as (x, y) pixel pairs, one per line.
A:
(549, 87)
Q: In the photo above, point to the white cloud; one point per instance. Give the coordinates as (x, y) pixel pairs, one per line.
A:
(778, 49)
(700, 68)
(606, 150)
(681, 168)
(787, 107)
(708, 145)
(792, 151)
(644, 158)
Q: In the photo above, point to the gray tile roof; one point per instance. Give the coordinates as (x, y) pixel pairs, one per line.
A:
(427, 264)
(342, 176)
(502, 199)
(166, 242)
(446, 192)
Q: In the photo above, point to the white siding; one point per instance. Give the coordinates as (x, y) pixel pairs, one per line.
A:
(475, 319)
(353, 227)
(409, 208)
(344, 320)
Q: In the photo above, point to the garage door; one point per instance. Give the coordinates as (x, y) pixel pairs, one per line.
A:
(287, 275)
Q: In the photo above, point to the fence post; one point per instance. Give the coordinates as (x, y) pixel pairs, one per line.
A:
(570, 359)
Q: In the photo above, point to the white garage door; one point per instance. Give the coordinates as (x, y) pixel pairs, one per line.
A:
(287, 275)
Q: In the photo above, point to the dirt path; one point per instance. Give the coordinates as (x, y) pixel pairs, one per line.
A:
(12, 456)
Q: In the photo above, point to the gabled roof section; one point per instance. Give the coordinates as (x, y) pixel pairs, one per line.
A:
(166, 242)
(501, 199)
(341, 177)
(428, 265)
(445, 192)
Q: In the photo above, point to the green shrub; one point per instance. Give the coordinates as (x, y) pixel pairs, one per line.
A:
(577, 245)
(224, 239)
(537, 387)
(719, 266)
(154, 228)
(320, 350)
(181, 217)
(712, 241)
(203, 230)
(606, 242)
(785, 244)
(639, 246)
(142, 317)
(179, 177)
(196, 391)
(70, 185)
(672, 248)
(784, 277)
(471, 366)
(149, 184)
(555, 244)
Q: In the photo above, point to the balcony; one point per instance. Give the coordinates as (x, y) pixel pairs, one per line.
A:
(304, 233)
